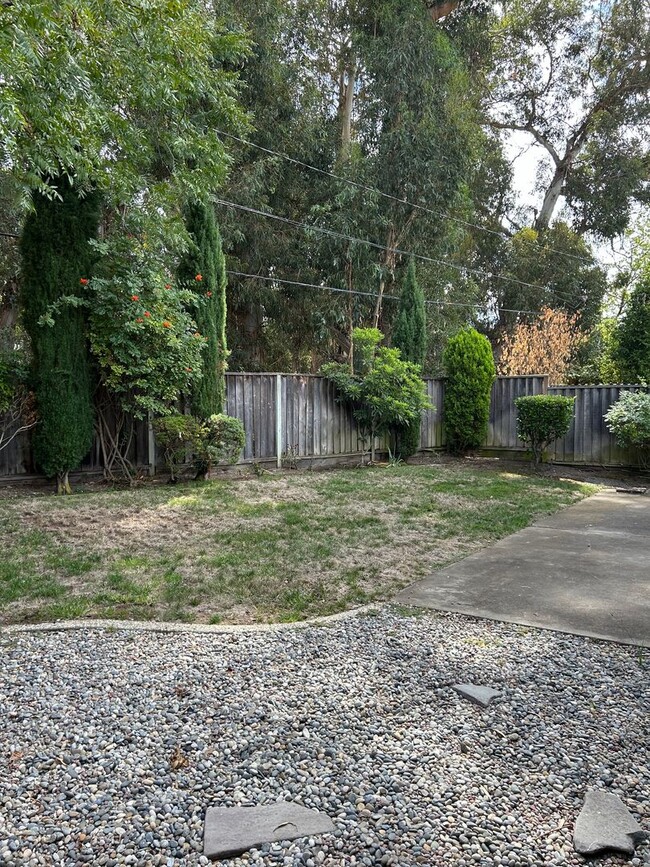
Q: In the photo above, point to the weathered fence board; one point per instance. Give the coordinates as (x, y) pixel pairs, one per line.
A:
(502, 425)
(588, 440)
(313, 424)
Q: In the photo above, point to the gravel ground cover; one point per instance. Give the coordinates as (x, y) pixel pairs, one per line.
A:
(115, 742)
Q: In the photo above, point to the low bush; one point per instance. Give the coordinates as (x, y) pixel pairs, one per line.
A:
(180, 437)
(542, 419)
(629, 420)
(217, 440)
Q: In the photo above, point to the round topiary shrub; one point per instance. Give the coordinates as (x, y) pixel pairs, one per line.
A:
(542, 419)
(470, 370)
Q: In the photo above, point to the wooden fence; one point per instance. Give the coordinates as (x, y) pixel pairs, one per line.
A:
(292, 418)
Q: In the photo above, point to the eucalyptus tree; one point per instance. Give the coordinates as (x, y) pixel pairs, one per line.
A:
(573, 77)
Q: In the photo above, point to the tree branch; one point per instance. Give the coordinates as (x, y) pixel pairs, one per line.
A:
(529, 128)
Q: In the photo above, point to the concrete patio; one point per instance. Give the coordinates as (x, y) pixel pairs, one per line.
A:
(584, 570)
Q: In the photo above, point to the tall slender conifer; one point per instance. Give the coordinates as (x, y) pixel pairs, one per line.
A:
(56, 261)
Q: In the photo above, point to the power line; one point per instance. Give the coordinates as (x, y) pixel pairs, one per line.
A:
(375, 191)
(335, 234)
(372, 294)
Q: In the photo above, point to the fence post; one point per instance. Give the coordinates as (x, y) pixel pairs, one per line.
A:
(278, 419)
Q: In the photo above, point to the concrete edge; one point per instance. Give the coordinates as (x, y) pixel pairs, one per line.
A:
(484, 614)
(180, 628)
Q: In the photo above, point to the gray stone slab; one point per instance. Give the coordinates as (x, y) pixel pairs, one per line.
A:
(585, 570)
(229, 831)
(481, 695)
(605, 823)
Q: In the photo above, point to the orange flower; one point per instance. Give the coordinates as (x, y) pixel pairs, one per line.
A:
(188, 369)
(168, 285)
(139, 319)
(147, 314)
(135, 297)
(198, 278)
(197, 334)
(83, 281)
(208, 294)
(167, 324)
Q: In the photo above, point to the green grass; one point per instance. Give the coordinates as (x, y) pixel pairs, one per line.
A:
(274, 547)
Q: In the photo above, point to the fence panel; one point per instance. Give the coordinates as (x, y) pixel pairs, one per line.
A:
(431, 429)
(316, 425)
(502, 426)
(588, 440)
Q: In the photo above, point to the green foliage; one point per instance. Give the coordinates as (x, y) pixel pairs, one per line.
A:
(203, 270)
(629, 420)
(124, 95)
(470, 372)
(223, 439)
(178, 436)
(146, 345)
(14, 374)
(567, 75)
(386, 393)
(57, 260)
(410, 331)
(542, 419)
(413, 137)
(562, 270)
(407, 439)
(632, 351)
(595, 361)
(216, 440)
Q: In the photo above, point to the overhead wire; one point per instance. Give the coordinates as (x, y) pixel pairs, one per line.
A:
(374, 295)
(502, 234)
(464, 269)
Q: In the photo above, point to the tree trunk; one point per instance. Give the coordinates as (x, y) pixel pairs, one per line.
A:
(388, 266)
(63, 484)
(346, 104)
(551, 198)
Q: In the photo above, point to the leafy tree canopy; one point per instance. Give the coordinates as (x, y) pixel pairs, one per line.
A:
(573, 76)
(125, 95)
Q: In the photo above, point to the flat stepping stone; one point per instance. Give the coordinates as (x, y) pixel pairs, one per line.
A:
(481, 695)
(229, 831)
(605, 823)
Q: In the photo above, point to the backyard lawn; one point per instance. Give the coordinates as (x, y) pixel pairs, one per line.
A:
(275, 547)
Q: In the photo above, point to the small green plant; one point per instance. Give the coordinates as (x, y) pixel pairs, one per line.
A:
(542, 419)
(385, 392)
(219, 439)
(221, 442)
(470, 370)
(178, 436)
(629, 420)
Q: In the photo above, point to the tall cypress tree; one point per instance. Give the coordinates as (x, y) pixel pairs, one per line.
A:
(410, 337)
(56, 261)
(632, 348)
(410, 330)
(204, 268)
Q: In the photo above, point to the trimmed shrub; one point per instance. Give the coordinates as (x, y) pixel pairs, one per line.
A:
(470, 370)
(223, 440)
(179, 436)
(629, 420)
(217, 440)
(542, 419)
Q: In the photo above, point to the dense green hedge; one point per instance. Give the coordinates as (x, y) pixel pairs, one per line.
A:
(542, 419)
(470, 370)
